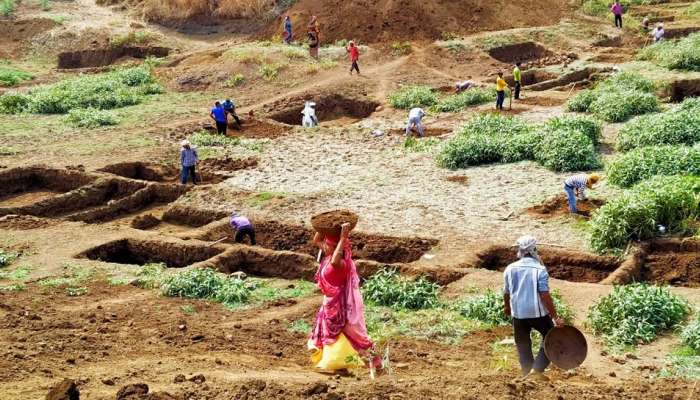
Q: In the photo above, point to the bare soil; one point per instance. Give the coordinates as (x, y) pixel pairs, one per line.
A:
(559, 206)
(138, 252)
(90, 58)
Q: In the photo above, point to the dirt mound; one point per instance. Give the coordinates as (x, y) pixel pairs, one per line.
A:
(559, 205)
(143, 222)
(672, 262)
(23, 222)
(329, 107)
(102, 57)
(64, 390)
(140, 252)
(390, 20)
(193, 217)
(16, 34)
(561, 264)
(227, 164)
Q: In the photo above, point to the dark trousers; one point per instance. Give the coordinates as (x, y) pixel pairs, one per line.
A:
(500, 98)
(516, 96)
(221, 127)
(618, 21)
(243, 232)
(188, 172)
(355, 67)
(521, 332)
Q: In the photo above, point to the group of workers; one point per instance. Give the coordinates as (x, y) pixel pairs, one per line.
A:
(657, 33)
(220, 113)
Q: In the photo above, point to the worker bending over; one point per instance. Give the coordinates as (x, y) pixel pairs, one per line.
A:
(243, 227)
(575, 186)
(415, 117)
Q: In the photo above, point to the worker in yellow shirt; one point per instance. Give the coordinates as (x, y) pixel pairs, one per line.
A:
(517, 77)
(500, 91)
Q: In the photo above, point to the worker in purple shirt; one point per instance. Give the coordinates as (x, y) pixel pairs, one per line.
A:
(616, 9)
(243, 228)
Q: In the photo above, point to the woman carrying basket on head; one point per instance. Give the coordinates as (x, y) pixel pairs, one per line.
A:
(339, 338)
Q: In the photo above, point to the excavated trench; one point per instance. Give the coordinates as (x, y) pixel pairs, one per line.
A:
(276, 235)
(672, 262)
(561, 264)
(558, 206)
(208, 171)
(682, 88)
(23, 186)
(140, 252)
(531, 77)
(331, 109)
(102, 57)
(521, 52)
(580, 78)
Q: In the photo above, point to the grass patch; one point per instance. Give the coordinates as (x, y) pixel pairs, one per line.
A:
(690, 336)
(73, 275)
(401, 48)
(270, 72)
(636, 314)
(131, 38)
(12, 76)
(235, 80)
(467, 98)
(260, 199)
(90, 118)
(388, 288)
(488, 309)
(414, 145)
(299, 326)
(206, 139)
(682, 54)
(7, 7)
(670, 201)
(645, 162)
(150, 275)
(413, 96)
(205, 283)
(262, 291)
(21, 273)
(561, 144)
(617, 98)
(680, 125)
(116, 89)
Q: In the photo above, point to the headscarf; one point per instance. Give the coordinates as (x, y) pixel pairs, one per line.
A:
(185, 143)
(527, 247)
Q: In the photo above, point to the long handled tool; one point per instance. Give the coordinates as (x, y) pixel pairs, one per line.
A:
(218, 241)
(510, 100)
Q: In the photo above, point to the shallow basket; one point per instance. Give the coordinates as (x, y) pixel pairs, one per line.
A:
(328, 223)
(566, 347)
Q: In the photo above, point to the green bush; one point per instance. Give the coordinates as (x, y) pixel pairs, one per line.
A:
(584, 124)
(680, 125)
(562, 144)
(636, 313)
(90, 118)
(643, 163)
(11, 76)
(690, 336)
(567, 150)
(205, 283)
(467, 98)
(110, 90)
(619, 106)
(635, 215)
(232, 292)
(150, 275)
(617, 98)
(488, 308)
(683, 54)
(388, 288)
(207, 139)
(7, 7)
(581, 101)
(413, 96)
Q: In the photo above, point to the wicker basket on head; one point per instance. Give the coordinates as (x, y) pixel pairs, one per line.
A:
(328, 223)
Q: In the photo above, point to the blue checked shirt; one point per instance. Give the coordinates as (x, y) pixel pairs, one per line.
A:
(524, 280)
(188, 157)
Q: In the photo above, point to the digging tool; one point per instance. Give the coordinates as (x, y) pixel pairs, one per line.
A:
(510, 100)
(218, 241)
(571, 90)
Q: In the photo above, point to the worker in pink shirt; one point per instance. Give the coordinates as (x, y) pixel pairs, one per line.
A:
(354, 57)
(617, 12)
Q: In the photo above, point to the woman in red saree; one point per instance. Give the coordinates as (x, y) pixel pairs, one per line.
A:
(339, 338)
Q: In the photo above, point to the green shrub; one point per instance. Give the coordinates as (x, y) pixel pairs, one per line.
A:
(635, 215)
(270, 72)
(690, 336)
(488, 308)
(7, 7)
(413, 96)
(207, 139)
(567, 150)
(643, 163)
(388, 288)
(232, 292)
(11, 76)
(586, 125)
(617, 98)
(401, 48)
(619, 106)
(465, 150)
(205, 283)
(581, 101)
(110, 90)
(90, 118)
(467, 98)
(131, 38)
(14, 103)
(637, 313)
(683, 54)
(150, 275)
(235, 80)
(44, 5)
(680, 125)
